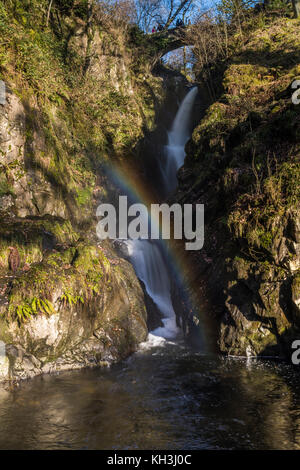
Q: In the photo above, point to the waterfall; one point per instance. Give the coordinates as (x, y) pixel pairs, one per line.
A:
(150, 268)
(145, 255)
(178, 136)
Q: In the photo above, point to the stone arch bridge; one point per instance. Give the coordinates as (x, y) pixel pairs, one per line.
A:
(168, 40)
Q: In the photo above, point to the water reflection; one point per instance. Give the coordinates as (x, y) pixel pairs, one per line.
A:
(160, 399)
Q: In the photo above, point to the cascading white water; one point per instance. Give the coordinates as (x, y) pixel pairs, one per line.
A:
(177, 138)
(150, 268)
(145, 256)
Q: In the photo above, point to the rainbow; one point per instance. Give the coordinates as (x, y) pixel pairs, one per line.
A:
(131, 182)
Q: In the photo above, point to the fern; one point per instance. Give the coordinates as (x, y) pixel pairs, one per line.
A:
(69, 299)
(34, 307)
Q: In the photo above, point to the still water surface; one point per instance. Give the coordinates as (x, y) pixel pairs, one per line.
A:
(162, 398)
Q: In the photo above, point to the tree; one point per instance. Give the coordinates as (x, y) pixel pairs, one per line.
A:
(162, 12)
(147, 13)
(49, 11)
(176, 9)
(116, 11)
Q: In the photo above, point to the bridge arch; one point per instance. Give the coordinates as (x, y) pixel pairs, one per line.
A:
(168, 40)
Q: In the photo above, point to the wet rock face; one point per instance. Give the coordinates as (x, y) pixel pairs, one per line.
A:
(249, 266)
(154, 316)
(261, 314)
(105, 328)
(51, 182)
(24, 190)
(4, 362)
(255, 304)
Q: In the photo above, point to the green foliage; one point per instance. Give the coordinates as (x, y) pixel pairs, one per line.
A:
(78, 8)
(4, 20)
(33, 306)
(85, 116)
(248, 141)
(5, 186)
(137, 36)
(39, 58)
(83, 196)
(69, 299)
(231, 8)
(281, 6)
(284, 185)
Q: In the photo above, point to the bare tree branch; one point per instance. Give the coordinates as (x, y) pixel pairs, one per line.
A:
(48, 12)
(176, 13)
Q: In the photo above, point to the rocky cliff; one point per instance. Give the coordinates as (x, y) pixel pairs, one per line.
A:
(77, 97)
(81, 97)
(243, 164)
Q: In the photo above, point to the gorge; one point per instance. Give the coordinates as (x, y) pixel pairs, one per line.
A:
(141, 343)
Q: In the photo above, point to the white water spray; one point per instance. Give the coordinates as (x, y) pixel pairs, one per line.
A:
(177, 138)
(145, 255)
(150, 268)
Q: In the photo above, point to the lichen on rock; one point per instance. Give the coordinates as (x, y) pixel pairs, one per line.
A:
(75, 100)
